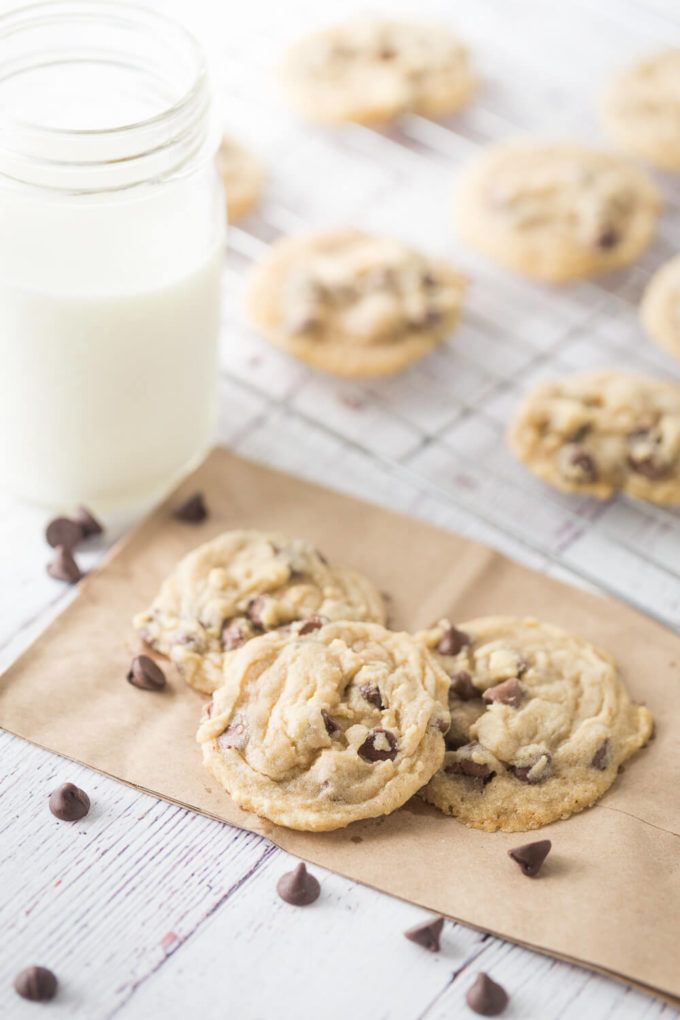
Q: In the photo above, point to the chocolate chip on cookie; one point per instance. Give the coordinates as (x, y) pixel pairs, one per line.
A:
(331, 726)
(534, 773)
(599, 759)
(426, 934)
(530, 856)
(462, 686)
(379, 745)
(371, 694)
(236, 733)
(453, 641)
(232, 635)
(310, 624)
(508, 693)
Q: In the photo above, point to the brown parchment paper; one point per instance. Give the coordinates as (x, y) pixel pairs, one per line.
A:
(609, 894)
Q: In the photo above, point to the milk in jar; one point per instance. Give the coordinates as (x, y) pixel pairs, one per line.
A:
(111, 249)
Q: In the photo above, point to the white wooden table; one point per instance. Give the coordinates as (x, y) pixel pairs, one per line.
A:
(146, 910)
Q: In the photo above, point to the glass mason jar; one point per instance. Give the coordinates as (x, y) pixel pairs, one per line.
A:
(111, 239)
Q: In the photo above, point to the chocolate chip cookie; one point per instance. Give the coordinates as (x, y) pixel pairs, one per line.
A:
(374, 70)
(316, 730)
(240, 585)
(660, 307)
(641, 109)
(556, 211)
(540, 723)
(596, 432)
(353, 304)
(242, 175)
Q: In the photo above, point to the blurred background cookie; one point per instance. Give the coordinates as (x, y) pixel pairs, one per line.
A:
(351, 303)
(242, 175)
(641, 109)
(660, 307)
(374, 70)
(556, 210)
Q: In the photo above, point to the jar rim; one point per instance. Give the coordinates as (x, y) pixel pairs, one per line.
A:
(118, 11)
(119, 155)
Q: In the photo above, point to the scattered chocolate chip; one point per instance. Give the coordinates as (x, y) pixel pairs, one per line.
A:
(508, 693)
(331, 727)
(530, 856)
(379, 745)
(427, 934)
(311, 624)
(298, 887)
(63, 531)
(88, 522)
(485, 997)
(599, 759)
(371, 694)
(529, 774)
(232, 636)
(192, 511)
(468, 767)
(452, 641)
(146, 674)
(236, 733)
(69, 803)
(462, 686)
(63, 567)
(36, 983)
(609, 237)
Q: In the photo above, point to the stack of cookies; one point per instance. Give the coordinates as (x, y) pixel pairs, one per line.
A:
(320, 715)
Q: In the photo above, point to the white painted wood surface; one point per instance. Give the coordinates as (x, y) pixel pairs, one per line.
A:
(145, 910)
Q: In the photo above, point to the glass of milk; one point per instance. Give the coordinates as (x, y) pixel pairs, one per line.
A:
(111, 240)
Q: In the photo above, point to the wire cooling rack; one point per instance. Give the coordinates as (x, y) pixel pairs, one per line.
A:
(430, 440)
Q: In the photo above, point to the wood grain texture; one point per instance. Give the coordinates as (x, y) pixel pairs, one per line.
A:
(145, 910)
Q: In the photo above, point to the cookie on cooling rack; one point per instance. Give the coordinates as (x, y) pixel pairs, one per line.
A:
(540, 723)
(242, 175)
(375, 69)
(596, 432)
(660, 307)
(556, 211)
(353, 304)
(641, 109)
(240, 585)
(317, 730)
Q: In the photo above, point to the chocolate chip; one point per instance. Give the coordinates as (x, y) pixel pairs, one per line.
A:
(452, 641)
(146, 674)
(63, 567)
(524, 772)
(236, 733)
(331, 727)
(63, 531)
(387, 53)
(609, 237)
(468, 767)
(373, 748)
(298, 887)
(427, 934)
(232, 635)
(427, 279)
(651, 467)
(428, 317)
(462, 686)
(485, 997)
(311, 624)
(254, 610)
(69, 803)
(530, 856)
(599, 759)
(192, 511)
(508, 693)
(88, 522)
(584, 464)
(371, 694)
(36, 983)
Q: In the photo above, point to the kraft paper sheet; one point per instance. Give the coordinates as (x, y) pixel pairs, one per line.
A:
(609, 894)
